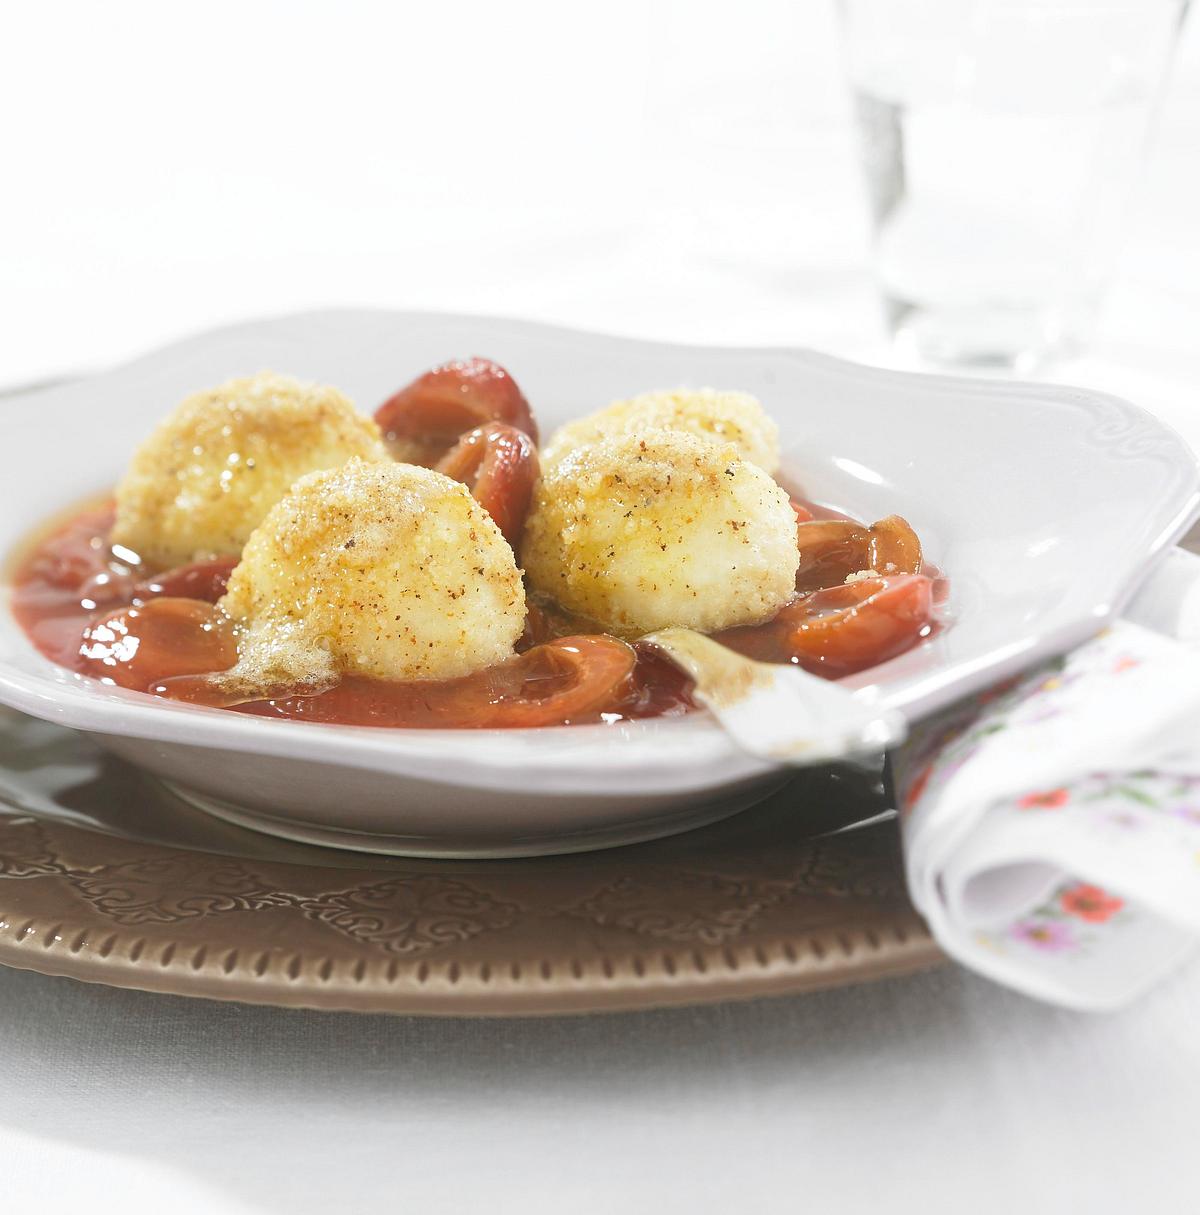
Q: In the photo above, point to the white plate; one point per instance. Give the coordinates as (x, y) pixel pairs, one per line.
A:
(1044, 505)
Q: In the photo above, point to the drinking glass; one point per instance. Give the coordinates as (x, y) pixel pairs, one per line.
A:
(1001, 140)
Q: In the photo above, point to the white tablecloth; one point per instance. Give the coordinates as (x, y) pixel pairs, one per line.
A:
(668, 169)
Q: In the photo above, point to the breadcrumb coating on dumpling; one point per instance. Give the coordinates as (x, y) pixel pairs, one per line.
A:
(207, 476)
(727, 417)
(640, 532)
(382, 570)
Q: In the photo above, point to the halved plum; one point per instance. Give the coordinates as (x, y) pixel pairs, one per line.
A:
(843, 629)
(568, 679)
(138, 645)
(424, 419)
(499, 465)
(831, 550)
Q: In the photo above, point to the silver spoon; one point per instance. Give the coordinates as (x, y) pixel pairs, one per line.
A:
(778, 712)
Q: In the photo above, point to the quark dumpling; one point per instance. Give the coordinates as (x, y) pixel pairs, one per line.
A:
(644, 531)
(206, 477)
(729, 417)
(376, 569)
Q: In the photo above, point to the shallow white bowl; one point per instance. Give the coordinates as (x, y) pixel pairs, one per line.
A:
(1044, 505)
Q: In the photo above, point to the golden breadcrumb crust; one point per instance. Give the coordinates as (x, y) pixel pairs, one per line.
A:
(728, 417)
(376, 569)
(639, 532)
(210, 472)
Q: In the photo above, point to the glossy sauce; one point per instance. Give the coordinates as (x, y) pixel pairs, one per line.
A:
(95, 610)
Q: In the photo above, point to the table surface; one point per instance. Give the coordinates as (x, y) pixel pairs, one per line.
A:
(691, 177)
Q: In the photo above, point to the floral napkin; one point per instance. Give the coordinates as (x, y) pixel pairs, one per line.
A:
(1052, 824)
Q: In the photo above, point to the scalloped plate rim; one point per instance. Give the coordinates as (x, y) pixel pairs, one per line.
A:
(690, 754)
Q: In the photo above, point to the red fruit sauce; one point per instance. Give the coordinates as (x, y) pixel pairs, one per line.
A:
(94, 609)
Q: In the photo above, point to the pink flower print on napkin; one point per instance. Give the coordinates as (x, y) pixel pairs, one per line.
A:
(1044, 934)
(1090, 903)
(1048, 799)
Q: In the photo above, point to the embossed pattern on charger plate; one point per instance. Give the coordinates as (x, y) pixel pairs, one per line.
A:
(105, 876)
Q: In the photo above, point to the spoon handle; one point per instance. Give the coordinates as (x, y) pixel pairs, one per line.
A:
(778, 712)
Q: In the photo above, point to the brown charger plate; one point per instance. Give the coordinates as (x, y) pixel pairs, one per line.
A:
(106, 876)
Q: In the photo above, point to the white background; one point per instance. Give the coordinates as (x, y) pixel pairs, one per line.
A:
(665, 169)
